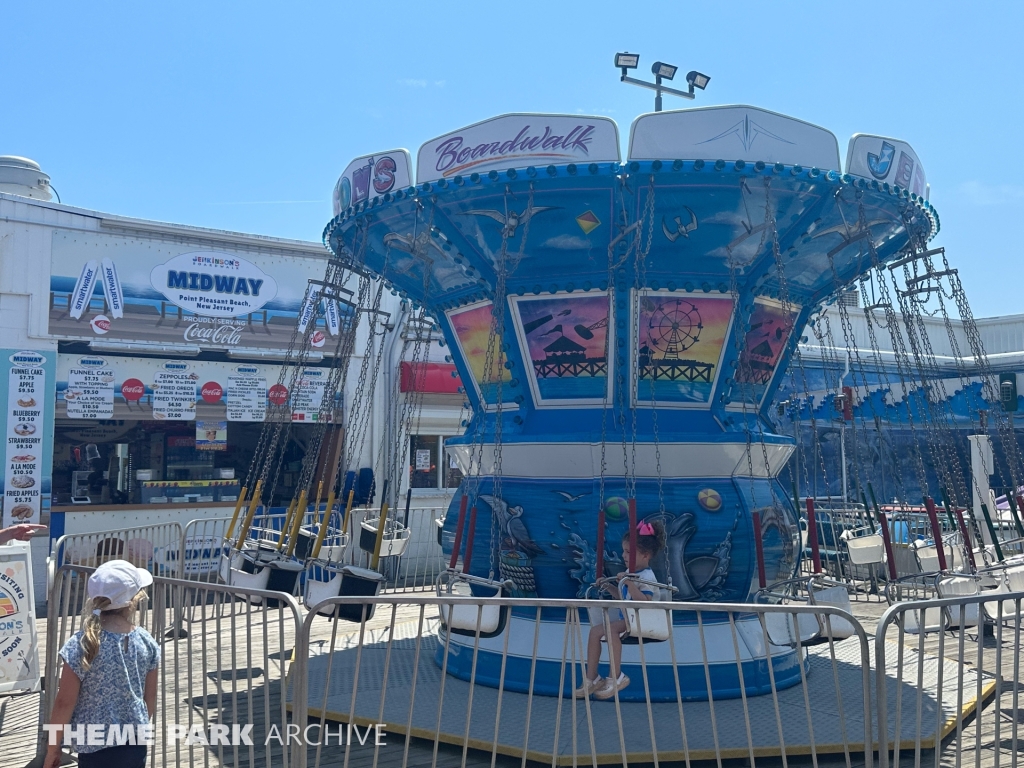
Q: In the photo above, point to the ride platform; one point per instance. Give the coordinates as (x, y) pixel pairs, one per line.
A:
(417, 699)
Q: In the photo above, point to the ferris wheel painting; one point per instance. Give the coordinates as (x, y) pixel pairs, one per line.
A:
(679, 342)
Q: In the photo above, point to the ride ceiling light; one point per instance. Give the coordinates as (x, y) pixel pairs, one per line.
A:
(662, 70)
(698, 79)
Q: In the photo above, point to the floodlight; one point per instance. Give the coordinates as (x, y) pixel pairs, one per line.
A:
(698, 80)
(627, 60)
(664, 71)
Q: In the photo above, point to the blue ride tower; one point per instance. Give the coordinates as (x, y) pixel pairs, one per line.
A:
(620, 328)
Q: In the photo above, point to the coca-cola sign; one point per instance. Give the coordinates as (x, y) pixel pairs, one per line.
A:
(211, 392)
(214, 334)
(132, 390)
(278, 394)
(517, 141)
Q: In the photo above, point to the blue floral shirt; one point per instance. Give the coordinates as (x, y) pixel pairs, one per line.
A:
(113, 685)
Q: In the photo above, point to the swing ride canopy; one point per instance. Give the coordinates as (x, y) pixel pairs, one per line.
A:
(734, 222)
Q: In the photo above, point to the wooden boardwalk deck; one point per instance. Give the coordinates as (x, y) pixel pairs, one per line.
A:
(199, 687)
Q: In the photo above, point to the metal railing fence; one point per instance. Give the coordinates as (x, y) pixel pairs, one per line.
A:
(971, 646)
(763, 683)
(154, 547)
(231, 669)
(392, 667)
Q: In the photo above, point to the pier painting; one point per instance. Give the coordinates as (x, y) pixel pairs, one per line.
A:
(566, 338)
(679, 346)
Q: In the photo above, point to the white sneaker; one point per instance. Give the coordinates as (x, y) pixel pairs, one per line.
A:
(588, 687)
(610, 686)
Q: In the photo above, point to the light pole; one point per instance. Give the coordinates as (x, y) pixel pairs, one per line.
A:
(661, 72)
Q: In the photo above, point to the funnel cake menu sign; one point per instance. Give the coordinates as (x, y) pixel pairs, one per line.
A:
(26, 409)
(90, 390)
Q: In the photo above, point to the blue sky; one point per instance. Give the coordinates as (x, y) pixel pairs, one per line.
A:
(241, 116)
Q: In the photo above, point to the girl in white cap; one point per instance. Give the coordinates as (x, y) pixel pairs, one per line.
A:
(110, 673)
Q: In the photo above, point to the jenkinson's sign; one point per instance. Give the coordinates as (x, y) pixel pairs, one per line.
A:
(214, 284)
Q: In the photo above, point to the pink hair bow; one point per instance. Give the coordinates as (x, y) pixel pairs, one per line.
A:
(645, 529)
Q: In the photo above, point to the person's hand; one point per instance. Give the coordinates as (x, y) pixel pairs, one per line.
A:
(52, 757)
(20, 532)
(621, 575)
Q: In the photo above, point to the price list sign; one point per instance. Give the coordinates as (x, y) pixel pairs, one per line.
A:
(90, 393)
(247, 398)
(26, 402)
(174, 393)
(308, 397)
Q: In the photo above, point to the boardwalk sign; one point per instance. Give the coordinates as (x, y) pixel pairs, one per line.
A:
(146, 290)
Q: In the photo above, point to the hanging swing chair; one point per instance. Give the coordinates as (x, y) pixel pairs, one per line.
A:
(327, 577)
(481, 617)
(651, 625)
(394, 541)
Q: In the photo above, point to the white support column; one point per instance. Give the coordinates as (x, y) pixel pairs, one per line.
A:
(981, 470)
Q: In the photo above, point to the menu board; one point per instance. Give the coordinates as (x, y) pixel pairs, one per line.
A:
(308, 397)
(247, 398)
(26, 405)
(174, 393)
(90, 393)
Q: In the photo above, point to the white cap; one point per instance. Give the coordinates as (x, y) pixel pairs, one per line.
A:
(118, 581)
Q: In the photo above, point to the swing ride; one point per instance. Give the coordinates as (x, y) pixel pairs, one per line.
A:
(626, 334)
(622, 329)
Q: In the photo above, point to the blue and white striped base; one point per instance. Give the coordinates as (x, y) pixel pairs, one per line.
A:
(560, 660)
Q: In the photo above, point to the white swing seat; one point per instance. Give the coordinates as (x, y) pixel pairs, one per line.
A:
(316, 592)
(487, 619)
(484, 617)
(654, 624)
(394, 542)
(834, 627)
(928, 620)
(332, 549)
(960, 586)
(1006, 611)
(246, 580)
(784, 628)
(781, 630)
(866, 550)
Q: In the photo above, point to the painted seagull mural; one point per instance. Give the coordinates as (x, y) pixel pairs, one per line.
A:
(510, 222)
(570, 497)
(512, 527)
